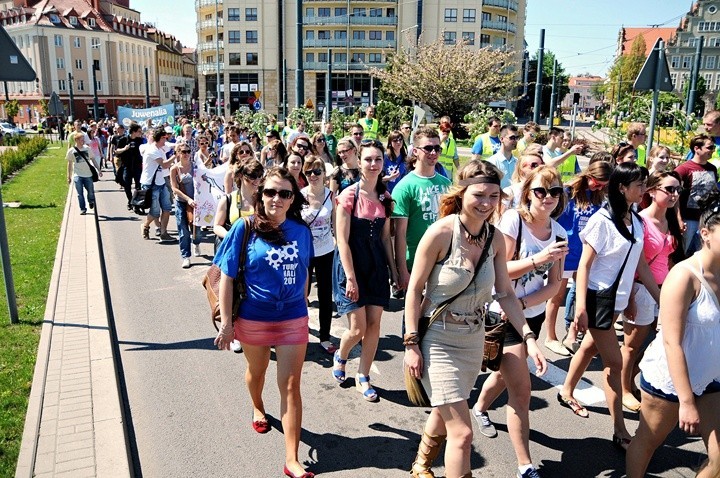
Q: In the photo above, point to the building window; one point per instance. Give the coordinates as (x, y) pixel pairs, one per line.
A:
(78, 64)
(675, 61)
(484, 40)
(502, 18)
(251, 14)
(469, 15)
(375, 35)
(98, 85)
(359, 35)
(54, 18)
(96, 65)
(76, 42)
(376, 12)
(234, 36)
(340, 12)
(374, 57)
(341, 34)
(122, 67)
(451, 15)
(322, 57)
(340, 57)
(81, 85)
(309, 12)
(310, 57)
(309, 34)
(323, 34)
(73, 20)
(60, 63)
(58, 40)
(449, 38)
(358, 58)
(359, 12)
(323, 12)
(251, 58)
(19, 42)
(390, 35)
(714, 42)
(708, 79)
(709, 64)
(469, 37)
(95, 43)
(486, 17)
(251, 36)
(391, 13)
(91, 22)
(235, 59)
(62, 86)
(717, 82)
(692, 42)
(233, 14)
(687, 61)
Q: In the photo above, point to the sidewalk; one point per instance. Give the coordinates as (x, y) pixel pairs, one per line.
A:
(74, 425)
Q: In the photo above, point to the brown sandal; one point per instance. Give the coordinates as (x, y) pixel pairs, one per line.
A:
(428, 450)
(573, 405)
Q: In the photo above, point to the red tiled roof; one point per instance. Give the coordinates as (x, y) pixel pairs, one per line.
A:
(650, 35)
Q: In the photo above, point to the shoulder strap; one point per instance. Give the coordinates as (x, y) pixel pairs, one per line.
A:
(246, 240)
(516, 256)
(703, 282)
(84, 156)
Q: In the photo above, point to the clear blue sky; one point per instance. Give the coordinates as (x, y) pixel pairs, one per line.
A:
(582, 33)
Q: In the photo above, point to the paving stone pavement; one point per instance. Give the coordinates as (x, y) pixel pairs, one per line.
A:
(74, 424)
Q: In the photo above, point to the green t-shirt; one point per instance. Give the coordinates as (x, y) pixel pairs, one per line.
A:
(331, 142)
(418, 199)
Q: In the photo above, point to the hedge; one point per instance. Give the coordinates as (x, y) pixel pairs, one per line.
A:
(14, 159)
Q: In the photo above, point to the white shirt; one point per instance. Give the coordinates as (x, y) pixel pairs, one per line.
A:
(226, 151)
(151, 156)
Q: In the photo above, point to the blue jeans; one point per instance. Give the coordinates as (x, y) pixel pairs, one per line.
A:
(691, 237)
(184, 230)
(87, 184)
(570, 306)
(160, 199)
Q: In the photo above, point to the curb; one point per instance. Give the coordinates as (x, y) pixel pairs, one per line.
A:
(28, 446)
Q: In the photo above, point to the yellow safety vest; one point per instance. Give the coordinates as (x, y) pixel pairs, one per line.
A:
(487, 150)
(447, 155)
(641, 154)
(371, 128)
(235, 212)
(567, 168)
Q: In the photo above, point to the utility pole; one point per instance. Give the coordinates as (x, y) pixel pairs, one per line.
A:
(147, 88)
(328, 89)
(617, 102)
(693, 81)
(217, 61)
(538, 81)
(299, 71)
(656, 91)
(96, 106)
(551, 115)
(72, 97)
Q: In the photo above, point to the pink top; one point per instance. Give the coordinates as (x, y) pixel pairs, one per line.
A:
(366, 208)
(657, 248)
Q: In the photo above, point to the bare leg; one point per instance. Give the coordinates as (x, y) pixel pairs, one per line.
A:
(578, 364)
(354, 333)
(456, 417)
(551, 311)
(657, 419)
(258, 358)
(634, 337)
(493, 386)
(370, 338)
(708, 406)
(290, 360)
(514, 366)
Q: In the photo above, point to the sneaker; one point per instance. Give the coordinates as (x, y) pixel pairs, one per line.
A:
(196, 250)
(165, 237)
(145, 231)
(83, 212)
(531, 473)
(235, 346)
(157, 231)
(129, 207)
(486, 426)
(186, 263)
(91, 205)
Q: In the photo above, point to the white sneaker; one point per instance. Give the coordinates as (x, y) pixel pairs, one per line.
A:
(186, 263)
(157, 231)
(196, 250)
(235, 346)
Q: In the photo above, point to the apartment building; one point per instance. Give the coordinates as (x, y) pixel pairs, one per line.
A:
(248, 50)
(582, 85)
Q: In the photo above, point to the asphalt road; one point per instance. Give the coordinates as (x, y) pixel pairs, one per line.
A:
(190, 410)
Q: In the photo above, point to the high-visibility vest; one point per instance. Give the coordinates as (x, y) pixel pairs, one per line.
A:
(447, 155)
(567, 168)
(641, 154)
(487, 150)
(370, 127)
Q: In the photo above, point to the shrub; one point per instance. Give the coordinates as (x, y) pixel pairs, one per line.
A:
(478, 119)
(14, 159)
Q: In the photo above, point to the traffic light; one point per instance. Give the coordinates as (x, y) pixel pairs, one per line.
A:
(576, 98)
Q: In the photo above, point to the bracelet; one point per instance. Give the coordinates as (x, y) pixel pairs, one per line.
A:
(528, 336)
(411, 338)
(532, 259)
(524, 304)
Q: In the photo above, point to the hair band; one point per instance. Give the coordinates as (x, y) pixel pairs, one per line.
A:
(479, 180)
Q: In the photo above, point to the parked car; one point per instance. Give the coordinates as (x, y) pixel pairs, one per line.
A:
(8, 129)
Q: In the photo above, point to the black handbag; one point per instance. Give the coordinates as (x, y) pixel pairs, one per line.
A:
(142, 198)
(93, 170)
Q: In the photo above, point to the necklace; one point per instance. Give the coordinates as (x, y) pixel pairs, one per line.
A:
(472, 239)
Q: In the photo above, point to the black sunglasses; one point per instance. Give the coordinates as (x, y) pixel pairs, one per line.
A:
(245, 151)
(671, 189)
(512, 138)
(185, 151)
(252, 176)
(314, 172)
(430, 148)
(541, 193)
(302, 146)
(283, 193)
(320, 140)
(358, 133)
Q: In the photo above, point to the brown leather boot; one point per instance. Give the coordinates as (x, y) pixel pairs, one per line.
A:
(428, 450)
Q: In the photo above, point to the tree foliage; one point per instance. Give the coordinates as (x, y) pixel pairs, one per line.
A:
(12, 108)
(625, 70)
(561, 81)
(390, 116)
(450, 79)
(700, 90)
(478, 119)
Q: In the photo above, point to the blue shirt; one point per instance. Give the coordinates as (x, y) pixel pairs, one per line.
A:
(275, 275)
(390, 166)
(574, 220)
(478, 146)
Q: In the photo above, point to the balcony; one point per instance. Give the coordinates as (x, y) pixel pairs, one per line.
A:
(353, 44)
(322, 66)
(207, 68)
(209, 45)
(325, 43)
(503, 4)
(501, 26)
(374, 21)
(207, 3)
(204, 25)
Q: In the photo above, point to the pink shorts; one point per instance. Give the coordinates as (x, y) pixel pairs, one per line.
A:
(267, 333)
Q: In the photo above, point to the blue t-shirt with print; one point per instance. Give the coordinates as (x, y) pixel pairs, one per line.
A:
(275, 275)
(390, 166)
(574, 220)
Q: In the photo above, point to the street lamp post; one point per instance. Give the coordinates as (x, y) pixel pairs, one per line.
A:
(72, 97)
(217, 60)
(96, 106)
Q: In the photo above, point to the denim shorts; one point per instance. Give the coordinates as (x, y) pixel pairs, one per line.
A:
(713, 387)
(160, 199)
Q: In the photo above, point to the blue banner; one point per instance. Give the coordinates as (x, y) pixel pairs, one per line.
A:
(159, 115)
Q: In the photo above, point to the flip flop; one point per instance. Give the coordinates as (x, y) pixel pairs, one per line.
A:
(573, 405)
(621, 444)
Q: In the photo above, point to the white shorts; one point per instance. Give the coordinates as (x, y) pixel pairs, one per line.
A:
(568, 274)
(647, 308)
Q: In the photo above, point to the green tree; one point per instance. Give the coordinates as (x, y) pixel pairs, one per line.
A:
(12, 108)
(561, 81)
(700, 90)
(450, 79)
(626, 68)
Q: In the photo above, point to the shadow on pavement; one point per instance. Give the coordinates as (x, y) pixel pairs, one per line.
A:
(198, 344)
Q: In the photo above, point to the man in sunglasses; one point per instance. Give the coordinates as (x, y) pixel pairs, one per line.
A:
(552, 154)
(504, 159)
(417, 197)
(636, 135)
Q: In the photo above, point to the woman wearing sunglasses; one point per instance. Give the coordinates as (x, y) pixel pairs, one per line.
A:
(321, 150)
(535, 245)
(240, 202)
(273, 154)
(529, 161)
(274, 314)
(181, 181)
(586, 193)
(241, 153)
(611, 256)
(364, 253)
(203, 154)
(662, 247)
(318, 214)
(347, 171)
(300, 145)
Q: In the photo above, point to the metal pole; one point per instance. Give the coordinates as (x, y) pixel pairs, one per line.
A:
(72, 97)
(7, 268)
(328, 89)
(551, 114)
(299, 71)
(217, 61)
(96, 106)
(574, 121)
(527, 73)
(7, 99)
(147, 87)
(656, 92)
(284, 93)
(617, 103)
(538, 81)
(694, 80)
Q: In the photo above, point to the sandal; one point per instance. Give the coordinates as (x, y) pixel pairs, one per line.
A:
(573, 405)
(622, 444)
(338, 373)
(328, 347)
(369, 394)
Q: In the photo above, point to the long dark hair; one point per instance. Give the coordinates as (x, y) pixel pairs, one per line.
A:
(264, 228)
(380, 187)
(623, 174)
(670, 214)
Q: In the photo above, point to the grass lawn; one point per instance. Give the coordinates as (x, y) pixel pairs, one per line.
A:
(33, 231)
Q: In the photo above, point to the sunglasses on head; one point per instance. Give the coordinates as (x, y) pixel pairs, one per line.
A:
(431, 148)
(371, 142)
(283, 193)
(542, 193)
(314, 172)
